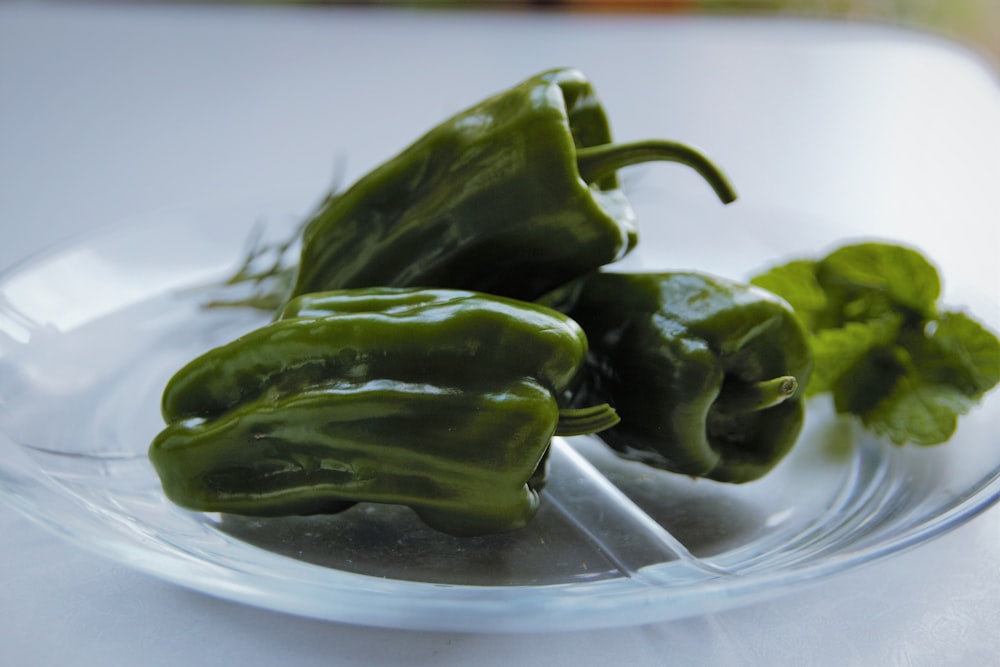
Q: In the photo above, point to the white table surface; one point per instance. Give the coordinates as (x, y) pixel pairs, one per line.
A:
(110, 111)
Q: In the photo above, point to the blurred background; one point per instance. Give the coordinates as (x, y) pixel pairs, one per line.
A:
(974, 22)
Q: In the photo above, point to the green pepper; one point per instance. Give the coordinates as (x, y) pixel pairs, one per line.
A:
(513, 196)
(707, 374)
(442, 400)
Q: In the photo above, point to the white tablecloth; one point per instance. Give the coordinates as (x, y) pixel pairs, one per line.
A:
(111, 111)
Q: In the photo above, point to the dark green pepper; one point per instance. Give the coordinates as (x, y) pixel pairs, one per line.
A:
(513, 196)
(707, 374)
(441, 400)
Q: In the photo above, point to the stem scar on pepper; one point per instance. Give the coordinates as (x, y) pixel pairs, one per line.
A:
(738, 396)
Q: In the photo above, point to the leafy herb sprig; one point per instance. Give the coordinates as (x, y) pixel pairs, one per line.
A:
(882, 345)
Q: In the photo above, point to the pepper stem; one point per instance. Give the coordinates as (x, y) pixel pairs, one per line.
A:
(738, 397)
(584, 421)
(595, 162)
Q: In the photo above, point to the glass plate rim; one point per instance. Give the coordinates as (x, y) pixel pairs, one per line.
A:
(549, 608)
(484, 608)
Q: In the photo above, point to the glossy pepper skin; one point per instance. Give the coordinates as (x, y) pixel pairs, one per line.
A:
(513, 196)
(707, 374)
(441, 400)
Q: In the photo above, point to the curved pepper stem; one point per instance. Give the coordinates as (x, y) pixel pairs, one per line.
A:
(595, 162)
(739, 397)
(584, 421)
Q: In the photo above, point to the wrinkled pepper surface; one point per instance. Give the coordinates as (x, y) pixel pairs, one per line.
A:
(513, 196)
(441, 400)
(706, 374)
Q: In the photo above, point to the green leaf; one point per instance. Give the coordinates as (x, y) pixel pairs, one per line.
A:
(880, 345)
(969, 346)
(918, 413)
(796, 283)
(835, 351)
(902, 274)
(863, 386)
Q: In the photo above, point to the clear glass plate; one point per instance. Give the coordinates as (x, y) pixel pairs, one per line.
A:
(91, 331)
